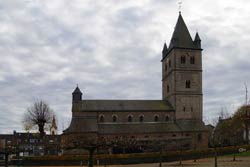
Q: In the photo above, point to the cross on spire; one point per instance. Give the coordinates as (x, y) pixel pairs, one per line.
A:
(180, 3)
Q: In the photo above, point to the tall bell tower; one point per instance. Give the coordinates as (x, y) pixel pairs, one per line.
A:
(182, 73)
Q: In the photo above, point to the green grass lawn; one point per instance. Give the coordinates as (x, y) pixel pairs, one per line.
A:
(247, 153)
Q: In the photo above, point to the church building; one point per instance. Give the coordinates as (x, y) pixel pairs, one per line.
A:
(175, 120)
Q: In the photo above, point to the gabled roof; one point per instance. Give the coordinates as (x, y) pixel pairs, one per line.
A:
(125, 105)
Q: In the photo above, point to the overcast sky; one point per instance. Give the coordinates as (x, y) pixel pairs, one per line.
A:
(112, 50)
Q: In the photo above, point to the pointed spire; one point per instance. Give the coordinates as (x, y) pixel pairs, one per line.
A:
(197, 37)
(197, 41)
(53, 124)
(164, 50)
(77, 95)
(181, 36)
(77, 90)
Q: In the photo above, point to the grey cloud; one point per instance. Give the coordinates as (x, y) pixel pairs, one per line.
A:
(112, 50)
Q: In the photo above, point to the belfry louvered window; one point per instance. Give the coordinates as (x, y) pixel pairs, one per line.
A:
(192, 60)
(183, 59)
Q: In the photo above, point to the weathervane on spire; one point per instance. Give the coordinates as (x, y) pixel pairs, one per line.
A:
(180, 3)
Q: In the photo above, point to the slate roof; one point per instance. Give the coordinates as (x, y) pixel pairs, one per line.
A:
(197, 37)
(125, 105)
(181, 38)
(77, 91)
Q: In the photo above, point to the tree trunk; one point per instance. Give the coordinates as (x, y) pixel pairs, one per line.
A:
(91, 157)
(6, 159)
(160, 165)
(234, 158)
(215, 157)
(41, 129)
(246, 129)
(180, 162)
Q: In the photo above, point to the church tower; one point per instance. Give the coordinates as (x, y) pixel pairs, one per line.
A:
(182, 73)
(53, 128)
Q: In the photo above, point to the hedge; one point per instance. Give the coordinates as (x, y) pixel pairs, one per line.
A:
(137, 157)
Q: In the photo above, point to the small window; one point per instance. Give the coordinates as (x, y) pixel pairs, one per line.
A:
(166, 67)
(167, 88)
(199, 137)
(184, 109)
(169, 63)
(167, 118)
(114, 118)
(101, 119)
(141, 118)
(188, 84)
(191, 109)
(173, 135)
(183, 59)
(192, 60)
(130, 118)
(156, 119)
(187, 134)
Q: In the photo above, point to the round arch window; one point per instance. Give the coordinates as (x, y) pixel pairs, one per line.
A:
(156, 118)
(130, 118)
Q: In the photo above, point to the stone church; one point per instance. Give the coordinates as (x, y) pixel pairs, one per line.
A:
(175, 121)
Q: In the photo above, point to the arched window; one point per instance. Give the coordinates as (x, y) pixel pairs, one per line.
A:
(114, 118)
(130, 118)
(156, 119)
(167, 118)
(192, 60)
(188, 84)
(141, 118)
(183, 59)
(101, 118)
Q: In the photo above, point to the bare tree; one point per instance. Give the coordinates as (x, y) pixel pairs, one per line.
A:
(90, 143)
(39, 114)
